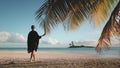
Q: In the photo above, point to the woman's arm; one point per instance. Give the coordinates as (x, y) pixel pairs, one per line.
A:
(44, 32)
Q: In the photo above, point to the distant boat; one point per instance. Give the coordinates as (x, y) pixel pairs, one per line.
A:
(72, 45)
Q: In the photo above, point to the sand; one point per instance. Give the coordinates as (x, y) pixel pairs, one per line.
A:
(20, 59)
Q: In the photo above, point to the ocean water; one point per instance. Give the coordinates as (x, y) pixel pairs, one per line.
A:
(111, 52)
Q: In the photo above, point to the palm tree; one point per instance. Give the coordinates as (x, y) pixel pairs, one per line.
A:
(112, 28)
(71, 13)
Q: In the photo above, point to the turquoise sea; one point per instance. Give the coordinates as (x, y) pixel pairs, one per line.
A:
(111, 52)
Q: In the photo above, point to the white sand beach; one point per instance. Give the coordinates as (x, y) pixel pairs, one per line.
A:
(44, 55)
(20, 59)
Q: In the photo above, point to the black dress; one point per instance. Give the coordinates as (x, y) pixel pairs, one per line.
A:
(32, 41)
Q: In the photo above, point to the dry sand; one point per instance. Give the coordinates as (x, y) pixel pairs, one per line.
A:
(20, 59)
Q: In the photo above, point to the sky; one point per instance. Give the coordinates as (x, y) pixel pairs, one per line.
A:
(17, 16)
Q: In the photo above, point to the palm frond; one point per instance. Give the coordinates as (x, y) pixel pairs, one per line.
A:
(112, 28)
(54, 12)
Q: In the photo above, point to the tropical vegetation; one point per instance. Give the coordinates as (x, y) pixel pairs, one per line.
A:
(72, 13)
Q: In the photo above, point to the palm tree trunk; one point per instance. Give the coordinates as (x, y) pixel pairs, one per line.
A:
(112, 28)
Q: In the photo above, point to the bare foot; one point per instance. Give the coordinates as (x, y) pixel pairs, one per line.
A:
(30, 60)
(34, 59)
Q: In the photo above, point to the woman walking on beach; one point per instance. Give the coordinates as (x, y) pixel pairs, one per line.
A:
(32, 42)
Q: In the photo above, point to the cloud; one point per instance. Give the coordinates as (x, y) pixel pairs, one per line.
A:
(114, 42)
(51, 41)
(19, 38)
(86, 43)
(11, 37)
(4, 36)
